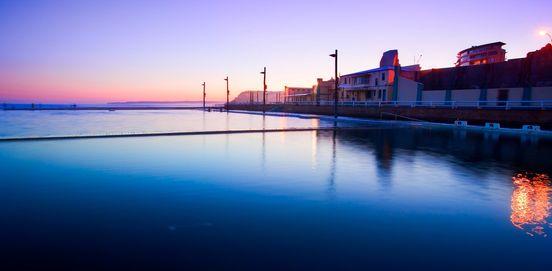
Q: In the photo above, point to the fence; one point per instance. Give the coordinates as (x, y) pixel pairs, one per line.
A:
(514, 104)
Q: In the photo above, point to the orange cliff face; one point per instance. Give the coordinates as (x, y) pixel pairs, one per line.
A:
(531, 203)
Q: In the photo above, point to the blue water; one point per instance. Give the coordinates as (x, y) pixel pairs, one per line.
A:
(94, 122)
(384, 198)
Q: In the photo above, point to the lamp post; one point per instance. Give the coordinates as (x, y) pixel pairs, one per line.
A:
(545, 33)
(336, 93)
(227, 94)
(204, 95)
(264, 88)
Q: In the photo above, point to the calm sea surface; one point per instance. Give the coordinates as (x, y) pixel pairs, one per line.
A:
(383, 198)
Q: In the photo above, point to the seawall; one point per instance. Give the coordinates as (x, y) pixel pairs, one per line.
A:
(506, 117)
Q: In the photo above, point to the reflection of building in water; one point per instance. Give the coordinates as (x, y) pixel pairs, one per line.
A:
(383, 153)
(531, 203)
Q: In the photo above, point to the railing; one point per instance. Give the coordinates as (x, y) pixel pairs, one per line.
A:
(514, 104)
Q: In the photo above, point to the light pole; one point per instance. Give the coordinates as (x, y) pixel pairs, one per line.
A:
(336, 92)
(264, 88)
(545, 33)
(204, 95)
(227, 94)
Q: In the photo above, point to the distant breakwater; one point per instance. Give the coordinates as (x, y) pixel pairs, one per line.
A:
(115, 108)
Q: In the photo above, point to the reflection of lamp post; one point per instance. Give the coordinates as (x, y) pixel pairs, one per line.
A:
(227, 93)
(545, 33)
(203, 95)
(264, 88)
(334, 55)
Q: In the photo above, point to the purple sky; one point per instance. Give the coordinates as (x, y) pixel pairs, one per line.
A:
(95, 51)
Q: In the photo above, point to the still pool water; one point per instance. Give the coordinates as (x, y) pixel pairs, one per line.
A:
(384, 198)
(70, 122)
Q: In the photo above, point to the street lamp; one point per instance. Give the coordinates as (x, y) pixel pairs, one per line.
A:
(334, 55)
(264, 88)
(545, 33)
(227, 93)
(204, 95)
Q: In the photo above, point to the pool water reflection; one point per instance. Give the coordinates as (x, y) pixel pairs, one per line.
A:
(68, 122)
(385, 198)
(531, 203)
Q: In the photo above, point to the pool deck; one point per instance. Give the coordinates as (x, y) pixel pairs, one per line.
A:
(506, 117)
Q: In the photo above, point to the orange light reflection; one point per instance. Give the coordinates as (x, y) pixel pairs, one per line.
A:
(531, 203)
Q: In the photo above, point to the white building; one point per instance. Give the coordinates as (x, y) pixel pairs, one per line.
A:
(379, 84)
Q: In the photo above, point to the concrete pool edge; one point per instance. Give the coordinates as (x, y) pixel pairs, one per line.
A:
(213, 132)
(409, 123)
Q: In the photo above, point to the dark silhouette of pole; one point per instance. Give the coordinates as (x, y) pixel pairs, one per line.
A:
(204, 96)
(334, 55)
(264, 88)
(227, 93)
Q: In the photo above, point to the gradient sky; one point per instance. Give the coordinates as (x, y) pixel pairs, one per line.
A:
(98, 51)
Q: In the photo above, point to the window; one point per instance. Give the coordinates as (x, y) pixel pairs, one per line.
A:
(383, 76)
(502, 96)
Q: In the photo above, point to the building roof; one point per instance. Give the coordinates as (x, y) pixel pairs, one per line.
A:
(483, 45)
(388, 61)
(297, 87)
(534, 70)
(298, 95)
(385, 68)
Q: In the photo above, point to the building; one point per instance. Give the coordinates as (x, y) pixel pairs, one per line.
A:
(256, 97)
(523, 81)
(324, 90)
(298, 94)
(379, 84)
(496, 83)
(482, 54)
(321, 91)
(516, 81)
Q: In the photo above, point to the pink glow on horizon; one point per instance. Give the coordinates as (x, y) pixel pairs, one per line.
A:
(15, 87)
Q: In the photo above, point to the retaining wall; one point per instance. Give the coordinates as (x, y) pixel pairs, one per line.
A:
(508, 118)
